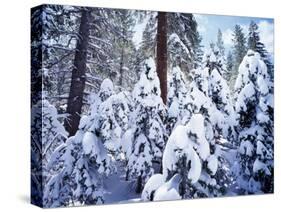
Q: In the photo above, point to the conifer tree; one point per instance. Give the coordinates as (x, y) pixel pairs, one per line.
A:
(81, 164)
(220, 43)
(229, 67)
(47, 133)
(255, 44)
(239, 46)
(254, 107)
(177, 100)
(84, 159)
(148, 128)
(208, 107)
(219, 92)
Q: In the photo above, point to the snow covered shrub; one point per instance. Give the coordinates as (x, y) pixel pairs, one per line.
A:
(52, 134)
(114, 117)
(177, 100)
(154, 182)
(219, 92)
(147, 131)
(106, 89)
(83, 162)
(254, 107)
(214, 58)
(110, 112)
(47, 133)
(185, 153)
(189, 156)
(213, 182)
(169, 190)
(221, 115)
(157, 189)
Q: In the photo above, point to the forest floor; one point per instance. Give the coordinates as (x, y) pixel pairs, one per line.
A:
(118, 190)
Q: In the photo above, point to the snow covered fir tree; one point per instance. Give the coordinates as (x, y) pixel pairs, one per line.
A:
(254, 107)
(148, 133)
(131, 106)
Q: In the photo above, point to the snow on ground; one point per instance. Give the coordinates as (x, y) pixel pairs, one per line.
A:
(118, 190)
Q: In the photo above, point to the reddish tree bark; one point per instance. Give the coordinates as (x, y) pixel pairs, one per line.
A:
(162, 54)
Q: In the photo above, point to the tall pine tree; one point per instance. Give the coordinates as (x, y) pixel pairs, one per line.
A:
(255, 44)
(239, 51)
(220, 43)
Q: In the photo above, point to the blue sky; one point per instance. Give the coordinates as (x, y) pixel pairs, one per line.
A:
(208, 26)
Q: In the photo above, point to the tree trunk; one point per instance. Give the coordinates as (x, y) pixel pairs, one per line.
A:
(139, 184)
(121, 66)
(127, 175)
(123, 43)
(184, 168)
(75, 99)
(162, 54)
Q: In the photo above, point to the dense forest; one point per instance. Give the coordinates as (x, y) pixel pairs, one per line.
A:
(167, 118)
